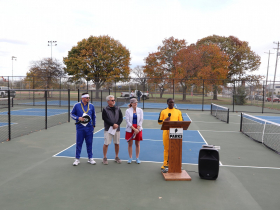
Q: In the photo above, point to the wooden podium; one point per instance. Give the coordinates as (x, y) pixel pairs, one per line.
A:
(175, 172)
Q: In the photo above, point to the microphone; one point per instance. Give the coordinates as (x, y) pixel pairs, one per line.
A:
(169, 114)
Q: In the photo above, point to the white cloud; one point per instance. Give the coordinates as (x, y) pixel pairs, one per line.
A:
(139, 25)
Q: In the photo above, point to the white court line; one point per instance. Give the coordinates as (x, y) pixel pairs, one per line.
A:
(74, 144)
(207, 144)
(193, 164)
(157, 140)
(189, 117)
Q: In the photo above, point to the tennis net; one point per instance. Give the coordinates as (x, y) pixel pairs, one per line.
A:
(220, 112)
(262, 131)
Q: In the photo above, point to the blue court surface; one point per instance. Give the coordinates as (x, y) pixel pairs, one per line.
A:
(274, 119)
(151, 147)
(36, 112)
(178, 106)
(2, 124)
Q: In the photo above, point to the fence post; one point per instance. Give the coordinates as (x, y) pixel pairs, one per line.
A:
(233, 96)
(46, 110)
(263, 100)
(60, 93)
(68, 105)
(143, 98)
(173, 90)
(78, 94)
(9, 115)
(90, 96)
(203, 96)
(101, 100)
(115, 89)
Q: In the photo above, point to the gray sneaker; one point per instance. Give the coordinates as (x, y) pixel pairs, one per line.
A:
(118, 160)
(105, 161)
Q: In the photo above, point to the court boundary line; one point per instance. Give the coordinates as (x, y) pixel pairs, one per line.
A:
(192, 164)
(208, 144)
(73, 145)
(221, 131)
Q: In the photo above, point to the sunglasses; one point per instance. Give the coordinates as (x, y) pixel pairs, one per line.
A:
(113, 100)
(87, 98)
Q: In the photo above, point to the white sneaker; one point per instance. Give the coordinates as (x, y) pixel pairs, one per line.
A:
(91, 161)
(76, 162)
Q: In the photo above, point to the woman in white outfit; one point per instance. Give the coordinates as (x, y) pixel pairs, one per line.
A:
(134, 120)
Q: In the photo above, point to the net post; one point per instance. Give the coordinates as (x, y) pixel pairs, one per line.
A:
(46, 110)
(68, 105)
(241, 119)
(9, 114)
(263, 131)
(227, 116)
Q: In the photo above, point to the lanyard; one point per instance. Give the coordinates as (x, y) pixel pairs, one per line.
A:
(83, 108)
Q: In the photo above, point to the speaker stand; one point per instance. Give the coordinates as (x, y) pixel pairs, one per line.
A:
(183, 176)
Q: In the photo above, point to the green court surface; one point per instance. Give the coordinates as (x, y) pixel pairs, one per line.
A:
(31, 178)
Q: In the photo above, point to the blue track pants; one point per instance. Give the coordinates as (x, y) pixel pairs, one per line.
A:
(81, 134)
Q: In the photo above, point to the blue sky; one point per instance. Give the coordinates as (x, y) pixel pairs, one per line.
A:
(140, 25)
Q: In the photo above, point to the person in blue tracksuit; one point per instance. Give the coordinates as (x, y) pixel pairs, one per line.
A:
(84, 114)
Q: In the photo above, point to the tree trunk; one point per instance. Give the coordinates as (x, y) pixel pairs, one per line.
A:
(97, 86)
(215, 89)
(184, 92)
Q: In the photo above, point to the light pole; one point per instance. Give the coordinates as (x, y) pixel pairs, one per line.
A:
(13, 58)
(52, 43)
(267, 70)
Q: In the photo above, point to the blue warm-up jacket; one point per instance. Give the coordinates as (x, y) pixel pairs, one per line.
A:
(78, 112)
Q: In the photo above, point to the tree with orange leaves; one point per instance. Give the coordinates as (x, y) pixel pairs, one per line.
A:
(195, 63)
(160, 66)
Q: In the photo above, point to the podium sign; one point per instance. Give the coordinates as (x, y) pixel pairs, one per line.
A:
(175, 133)
(175, 172)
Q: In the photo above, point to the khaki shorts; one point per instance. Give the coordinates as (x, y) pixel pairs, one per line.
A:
(108, 138)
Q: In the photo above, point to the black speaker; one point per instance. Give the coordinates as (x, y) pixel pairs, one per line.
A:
(208, 163)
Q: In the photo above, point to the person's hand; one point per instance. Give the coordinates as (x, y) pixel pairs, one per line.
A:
(81, 119)
(115, 126)
(167, 119)
(136, 131)
(138, 127)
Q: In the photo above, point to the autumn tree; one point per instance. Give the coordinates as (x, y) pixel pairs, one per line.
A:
(159, 65)
(44, 74)
(187, 64)
(242, 59)
(215, 67)
(201, 62)
(98, 59)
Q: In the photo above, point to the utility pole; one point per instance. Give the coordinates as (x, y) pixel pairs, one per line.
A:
(13, 58)
(267, 69)
(275, 66)
(51, 43)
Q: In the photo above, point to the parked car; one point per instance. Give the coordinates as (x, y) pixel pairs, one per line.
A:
(143, 95)
(259, 97)
(275, 99)
(4, 92)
